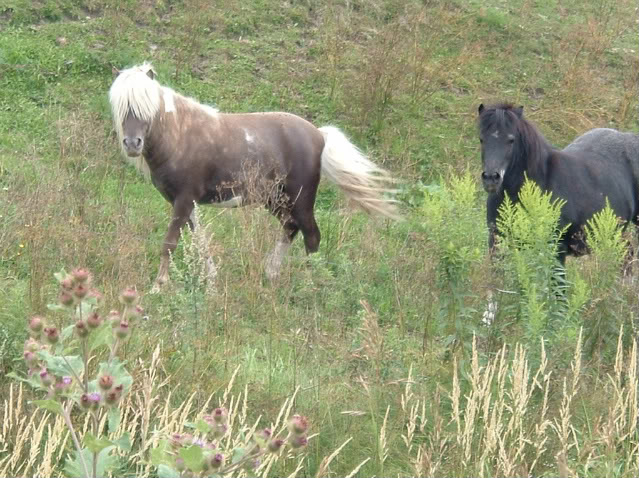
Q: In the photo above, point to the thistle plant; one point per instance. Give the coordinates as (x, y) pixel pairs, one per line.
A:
(207, 453)
(58, 365)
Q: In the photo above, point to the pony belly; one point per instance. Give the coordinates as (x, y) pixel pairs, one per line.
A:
(235, 201)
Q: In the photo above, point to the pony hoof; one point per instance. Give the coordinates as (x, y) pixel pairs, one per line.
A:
(157, 287)
(488, 317)
(271, 274)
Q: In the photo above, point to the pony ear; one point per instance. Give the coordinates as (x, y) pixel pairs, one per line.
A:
(151, 73)
(481, 108)
(115, 72)
(519, 111)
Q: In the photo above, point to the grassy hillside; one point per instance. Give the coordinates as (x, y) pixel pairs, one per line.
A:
(414, 378)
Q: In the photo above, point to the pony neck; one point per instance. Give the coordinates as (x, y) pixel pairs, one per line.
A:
(532, 154)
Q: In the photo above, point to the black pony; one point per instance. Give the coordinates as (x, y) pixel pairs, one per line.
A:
(601, 164)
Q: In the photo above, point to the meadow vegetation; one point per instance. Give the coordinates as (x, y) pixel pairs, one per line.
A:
(380, 338)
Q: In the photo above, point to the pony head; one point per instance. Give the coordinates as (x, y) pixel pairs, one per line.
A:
(135, 98)
(498, 131)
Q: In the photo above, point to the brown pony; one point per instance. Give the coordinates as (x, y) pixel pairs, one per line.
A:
(194, 154)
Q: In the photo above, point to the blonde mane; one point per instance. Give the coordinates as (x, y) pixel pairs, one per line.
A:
(135, 90)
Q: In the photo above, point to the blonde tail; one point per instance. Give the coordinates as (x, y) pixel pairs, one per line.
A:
(363, 182)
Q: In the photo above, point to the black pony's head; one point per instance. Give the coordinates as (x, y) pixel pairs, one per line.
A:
(500, 129)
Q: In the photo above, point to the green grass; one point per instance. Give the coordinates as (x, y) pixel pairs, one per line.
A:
(403, 79)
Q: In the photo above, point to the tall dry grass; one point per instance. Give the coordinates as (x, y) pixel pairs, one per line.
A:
(508, 419)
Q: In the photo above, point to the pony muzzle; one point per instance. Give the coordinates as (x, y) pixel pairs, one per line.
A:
(491, 181)
(133, 146)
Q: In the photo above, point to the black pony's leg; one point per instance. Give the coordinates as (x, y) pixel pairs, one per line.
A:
(630, 256)
(492, 207)
(558, 279)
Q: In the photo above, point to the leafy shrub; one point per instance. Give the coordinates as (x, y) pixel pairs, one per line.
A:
(529, 236)
(456, 239)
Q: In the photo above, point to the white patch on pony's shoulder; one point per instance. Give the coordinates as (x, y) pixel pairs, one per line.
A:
(210, 110)
(495, 134)
(233, 202)
(169, 100)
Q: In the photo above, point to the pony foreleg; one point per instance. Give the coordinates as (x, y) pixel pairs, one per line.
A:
(488, 317)
(181, 213)
(275, 258)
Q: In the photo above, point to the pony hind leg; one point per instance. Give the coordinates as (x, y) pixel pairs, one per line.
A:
(291, 227)
(295, 214)
(311, 232)
(276, 256)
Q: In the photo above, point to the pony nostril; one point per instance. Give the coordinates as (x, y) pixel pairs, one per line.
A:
(132, 143)
(494, 177)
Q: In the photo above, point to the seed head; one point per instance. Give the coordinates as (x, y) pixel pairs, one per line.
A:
(94, 320)
(46, 378)
(66, 298)
(220, 415)
(217, 461)
(61, 386)
(113, 396)
(178, 440)
(105, 382)
(81, 329)
(80, 275)
(95, 400)
(30, 358)
(128, 296)
(52, 335)
(31, 345)
(122, 331)
(298, 441)
(36, 324)
(298, 424)
(58, 389)
(85, 401)
(275, 445)
(266, 434)
(133, 313)
(80, 290)
(67, 283)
